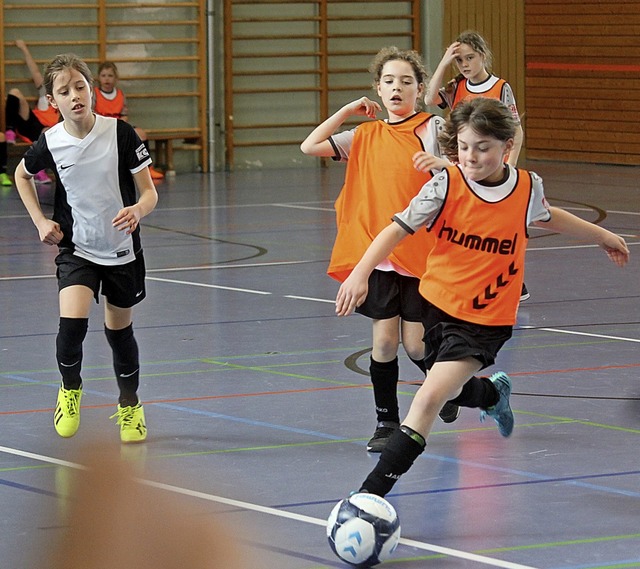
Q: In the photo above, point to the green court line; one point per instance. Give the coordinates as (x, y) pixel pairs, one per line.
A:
(581, 421)
(584, 541)
(34, 467)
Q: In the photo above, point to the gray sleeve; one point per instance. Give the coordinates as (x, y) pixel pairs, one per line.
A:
(510, 101)
(423, 209)
(538, 206)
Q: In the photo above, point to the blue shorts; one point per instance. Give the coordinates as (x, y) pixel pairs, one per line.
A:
(392, 294)
(450, 339)
(122, 285)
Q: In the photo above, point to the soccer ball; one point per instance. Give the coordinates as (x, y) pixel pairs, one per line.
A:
(363, 530)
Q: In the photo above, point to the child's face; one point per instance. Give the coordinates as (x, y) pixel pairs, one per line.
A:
(399, 89)
(107, 80)
(470, 63)
(481, 157)
(71, 95)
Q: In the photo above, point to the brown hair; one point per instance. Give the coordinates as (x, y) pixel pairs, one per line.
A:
(478, 44)
(487, 117)
(392, 53)
(59, 64)
(108, 65)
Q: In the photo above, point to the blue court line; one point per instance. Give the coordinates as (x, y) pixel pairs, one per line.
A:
(537, 478)
(32, 489)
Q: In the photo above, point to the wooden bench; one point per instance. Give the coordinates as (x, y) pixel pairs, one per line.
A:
(163, 144)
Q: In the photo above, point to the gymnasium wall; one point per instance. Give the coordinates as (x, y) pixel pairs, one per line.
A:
(582, 80)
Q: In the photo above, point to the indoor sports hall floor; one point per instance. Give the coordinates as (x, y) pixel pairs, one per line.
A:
(259, 406)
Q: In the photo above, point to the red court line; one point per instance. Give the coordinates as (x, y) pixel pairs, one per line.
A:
(315, 389)
(582, 66)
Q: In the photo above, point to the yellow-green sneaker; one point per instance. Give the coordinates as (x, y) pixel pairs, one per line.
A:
(133, 428)
(5, 180)
(66, 417)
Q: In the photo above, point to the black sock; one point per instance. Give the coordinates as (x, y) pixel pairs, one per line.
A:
(420, 363)
(12, 111)
(477, 392)
(384, 377)
(3, 157)
(126, 363)
(71, 334)
(402, 450)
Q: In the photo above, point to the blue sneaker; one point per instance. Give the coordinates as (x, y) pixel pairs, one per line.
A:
(501, 411)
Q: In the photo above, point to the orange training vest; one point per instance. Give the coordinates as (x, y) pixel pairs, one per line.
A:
(463, 93)
(47, 118)
(107, 108)
(380, 180)
(475, 270)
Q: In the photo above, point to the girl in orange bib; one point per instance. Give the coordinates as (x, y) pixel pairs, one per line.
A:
(478, 212)
(388, 161)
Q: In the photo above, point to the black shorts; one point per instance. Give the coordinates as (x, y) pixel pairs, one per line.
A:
(392, 294)
(122, 285)
(450, 339)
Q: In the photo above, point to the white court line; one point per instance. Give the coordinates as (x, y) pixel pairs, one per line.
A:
(292, 206)
(575, 333)
(294, 297)
(205, 285)
(275, 512)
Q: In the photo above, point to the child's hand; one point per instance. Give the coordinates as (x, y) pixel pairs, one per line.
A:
(425, 162)
(50, 232)
(451, 53)
(351, 295)
(616, 249)
(127, 219)
(365, 106)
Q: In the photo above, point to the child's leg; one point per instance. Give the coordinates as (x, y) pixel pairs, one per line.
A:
(384, 368)
(446, 380)
(413, 342)
(75, 304)
(119, 332)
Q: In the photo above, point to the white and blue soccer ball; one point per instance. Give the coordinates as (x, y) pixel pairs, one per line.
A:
(363, 530)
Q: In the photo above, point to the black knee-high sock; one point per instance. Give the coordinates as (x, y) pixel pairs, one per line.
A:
(384, 377)
(420, 363)
(71, 334)
(477, 392)
(3, 157)
(402, 450)
(12, 111)
(126, 363)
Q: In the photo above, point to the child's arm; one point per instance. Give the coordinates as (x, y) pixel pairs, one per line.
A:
(354, 289)
(31, 64)
(427, 162)
(517, 146)
(317, 143)
(48, 230)
(564, 222)
(128, 218)
(432, 96)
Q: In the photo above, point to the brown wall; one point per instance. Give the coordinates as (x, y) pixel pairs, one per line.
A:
(583, 80)
(501, 23)
(574, 66)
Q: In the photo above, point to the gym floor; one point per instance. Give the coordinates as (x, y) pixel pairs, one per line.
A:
(258, 401)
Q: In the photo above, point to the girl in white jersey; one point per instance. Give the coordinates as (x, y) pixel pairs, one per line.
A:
(98, 164)
(478, 211)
